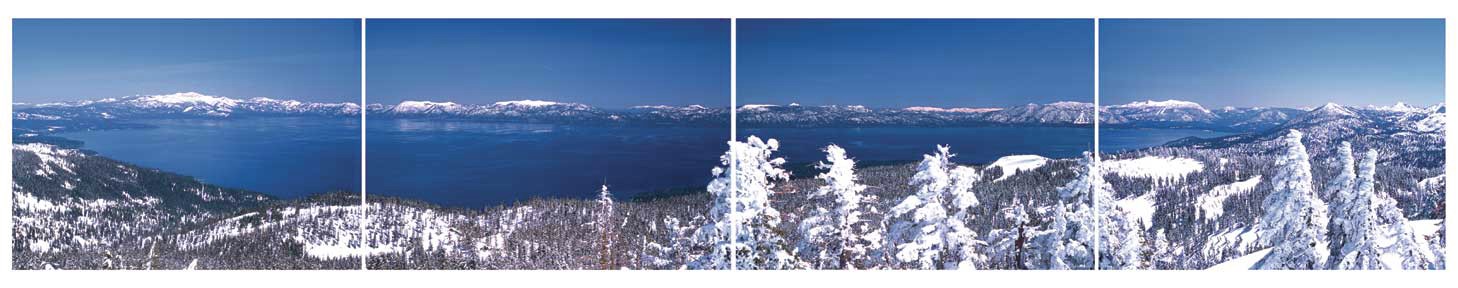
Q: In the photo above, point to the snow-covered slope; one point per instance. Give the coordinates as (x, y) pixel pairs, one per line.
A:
(1152, 167)
(1012, 164)
(1212, 204)
(1422, 230)
(70, 205)
(1246, 262)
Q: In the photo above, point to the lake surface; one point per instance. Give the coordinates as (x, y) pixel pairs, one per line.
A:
(286, 157)
(475, 164)
(1123, 139)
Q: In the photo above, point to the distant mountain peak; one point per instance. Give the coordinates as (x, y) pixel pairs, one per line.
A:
(189, 98)
(952, 110)
(667, 107)
(425, 103)
(1399, 107)
(1167, 104)
(415, 106)
(756, 107)
(1333, 109)
(528, 103)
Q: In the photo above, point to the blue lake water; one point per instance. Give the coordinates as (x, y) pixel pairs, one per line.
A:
(474, 164)
(282, 156)
(1124, 139)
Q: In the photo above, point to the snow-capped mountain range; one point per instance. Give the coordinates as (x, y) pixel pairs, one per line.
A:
(185, 104)
(541, 111)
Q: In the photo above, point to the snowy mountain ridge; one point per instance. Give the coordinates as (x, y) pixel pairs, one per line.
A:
(188, 104)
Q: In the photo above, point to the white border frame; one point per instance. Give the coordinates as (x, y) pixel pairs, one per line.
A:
(717, 9)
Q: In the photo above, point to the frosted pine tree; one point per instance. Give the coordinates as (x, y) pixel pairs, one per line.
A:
(605, 229)
(1341, 190)
(1392, 225)
(1295, 219)
(1164, 254)
(1121, 240)
(740, 233)
(1437, 244)
(838, 237)
(1014, 243)
(934, 234)
(961, 239)
(1070, 243)
(1411, 253)
(1360, 250)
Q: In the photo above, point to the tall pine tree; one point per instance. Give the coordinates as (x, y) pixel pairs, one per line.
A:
(741, 232)
(1295, 219)
(934, 234)
(839, 237)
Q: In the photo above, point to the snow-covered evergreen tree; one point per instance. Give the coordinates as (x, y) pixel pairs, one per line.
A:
(1070, 243)
(1389, 223)
(1437, 246)
(1121, 239)
(1164, 254)
(605, 225)
(1341, 190)
(740, 233)
(1295, 218)
(152, 256)
(1013, 244)
(1379, 235)
(838, 237)
(1360, 250)
(1412, 255)
(934, 234)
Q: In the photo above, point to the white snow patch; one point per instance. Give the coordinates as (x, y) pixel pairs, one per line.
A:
(1425, 228)
(50, 158)
(1141, 207)
(529, 103)
(1213, 204)
(756, 107)
(1243, 262)
(1152, 167)
(1013, 164)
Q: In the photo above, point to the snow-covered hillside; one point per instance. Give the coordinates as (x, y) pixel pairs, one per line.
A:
(1423, 230)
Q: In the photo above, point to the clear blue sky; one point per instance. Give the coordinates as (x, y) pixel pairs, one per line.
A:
(601, 62)
(66, 60)
(915, 62)
(1278, 63)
